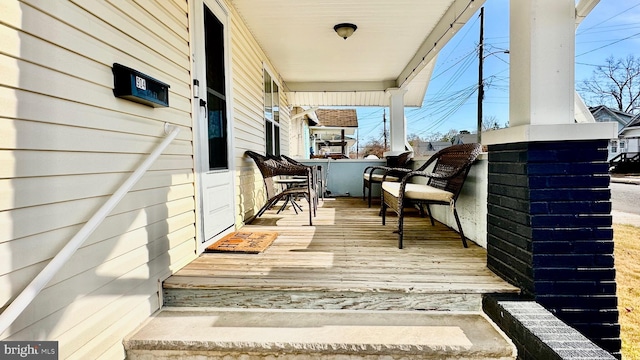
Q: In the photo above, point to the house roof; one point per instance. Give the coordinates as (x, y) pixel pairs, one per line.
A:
(617, 115)
(340, 118)
(635, 122)
(632, 129)
(395, 46)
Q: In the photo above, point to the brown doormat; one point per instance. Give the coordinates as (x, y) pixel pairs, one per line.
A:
(247, 242)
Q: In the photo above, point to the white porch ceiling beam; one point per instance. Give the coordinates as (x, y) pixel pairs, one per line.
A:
(583, 9)
(582, 113)
(306, 112)
(341, 86)
(452, 20)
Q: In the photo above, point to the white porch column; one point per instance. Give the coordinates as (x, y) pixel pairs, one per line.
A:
(397, 126)
(548, 197)
(542, 80)
(542, 51)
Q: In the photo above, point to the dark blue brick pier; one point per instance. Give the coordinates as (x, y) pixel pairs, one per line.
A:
(549, 231)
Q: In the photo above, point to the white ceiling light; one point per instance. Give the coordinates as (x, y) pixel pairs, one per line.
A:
(345, 30)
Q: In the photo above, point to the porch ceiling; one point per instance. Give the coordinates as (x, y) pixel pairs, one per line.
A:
(392, 47)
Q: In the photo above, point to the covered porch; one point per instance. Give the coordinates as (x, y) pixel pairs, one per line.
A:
(546, 220)
(347, 260)
(339, 288)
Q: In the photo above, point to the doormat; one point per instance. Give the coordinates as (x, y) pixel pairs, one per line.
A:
(246, 242)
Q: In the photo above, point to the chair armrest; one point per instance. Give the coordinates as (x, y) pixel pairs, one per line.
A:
(431, 175)
(372, 168)
(387, 171)
(292, 169)
(399, 172)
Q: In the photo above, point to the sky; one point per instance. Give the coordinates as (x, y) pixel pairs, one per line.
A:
(611, 29)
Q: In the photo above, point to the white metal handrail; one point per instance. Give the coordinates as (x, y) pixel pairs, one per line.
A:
(20, 303)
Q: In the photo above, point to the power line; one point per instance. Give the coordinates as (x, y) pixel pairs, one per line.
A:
(607, 45)
(469, 27)
(609, 18)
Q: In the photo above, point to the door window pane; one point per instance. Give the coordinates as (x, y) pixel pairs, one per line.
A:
(217, 132)
(271, 115)
(268, 127)
(216, 100)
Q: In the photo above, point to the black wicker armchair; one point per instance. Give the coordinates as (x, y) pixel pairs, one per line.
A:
(442, 187)
(317, 181)
(373, 174)
(271, 168)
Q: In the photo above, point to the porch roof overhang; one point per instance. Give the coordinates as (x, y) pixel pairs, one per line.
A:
(330, 130)
(631, 132)
(395, 46)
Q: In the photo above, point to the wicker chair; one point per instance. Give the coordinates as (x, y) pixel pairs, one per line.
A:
(443, 185)
(373, 174)
(317, 180)
(270, 168)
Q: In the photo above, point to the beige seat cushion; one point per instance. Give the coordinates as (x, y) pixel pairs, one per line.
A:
(418, 192)
(378, 177)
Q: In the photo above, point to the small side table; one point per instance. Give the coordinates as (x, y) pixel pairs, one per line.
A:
(289, 183)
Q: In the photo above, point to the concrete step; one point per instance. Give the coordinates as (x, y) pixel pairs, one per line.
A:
(224, 333)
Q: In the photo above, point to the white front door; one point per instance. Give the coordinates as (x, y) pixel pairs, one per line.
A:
(213, 126)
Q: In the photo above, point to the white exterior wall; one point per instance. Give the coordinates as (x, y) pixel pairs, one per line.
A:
(248, 61)
(633, 144)
(67, 143)
(471, 204)
(298, 133)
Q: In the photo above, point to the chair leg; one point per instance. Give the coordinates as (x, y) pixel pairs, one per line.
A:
(364, 186)
(464, 240)
(310, 210)
(400, 226)
(267, 206)
(315, 205)
(430, 216)
(383, 211)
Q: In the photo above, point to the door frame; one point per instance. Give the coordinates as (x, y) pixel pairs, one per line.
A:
(220, 10)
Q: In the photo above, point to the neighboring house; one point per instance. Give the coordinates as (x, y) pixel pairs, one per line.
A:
(465, 138)
(628, 159)
(333, 133)
(629, 138)
(421, 148)
(299, 133)
(233, 70)
(322, 132)
(603, 113)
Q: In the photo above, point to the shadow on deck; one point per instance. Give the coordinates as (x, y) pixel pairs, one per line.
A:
(347, 260)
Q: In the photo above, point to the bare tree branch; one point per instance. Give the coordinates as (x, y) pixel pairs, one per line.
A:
(615, 84)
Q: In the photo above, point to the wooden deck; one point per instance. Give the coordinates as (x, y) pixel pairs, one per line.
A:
(347, 259)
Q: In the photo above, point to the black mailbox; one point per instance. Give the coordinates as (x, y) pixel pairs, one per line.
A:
(135, 86)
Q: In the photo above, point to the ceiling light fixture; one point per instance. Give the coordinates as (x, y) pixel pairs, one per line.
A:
(345, 30)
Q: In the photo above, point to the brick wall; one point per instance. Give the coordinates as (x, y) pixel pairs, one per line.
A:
(549, 231)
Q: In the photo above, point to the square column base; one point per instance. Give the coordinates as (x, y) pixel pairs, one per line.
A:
(549, 231)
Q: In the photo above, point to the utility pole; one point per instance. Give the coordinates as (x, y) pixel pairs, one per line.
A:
(384, 127)
(480, 80)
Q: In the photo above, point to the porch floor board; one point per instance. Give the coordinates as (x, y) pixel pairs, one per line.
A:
(347, 249)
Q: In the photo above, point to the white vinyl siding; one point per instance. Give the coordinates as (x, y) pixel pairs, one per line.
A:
(68, 144)
(248, 117)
